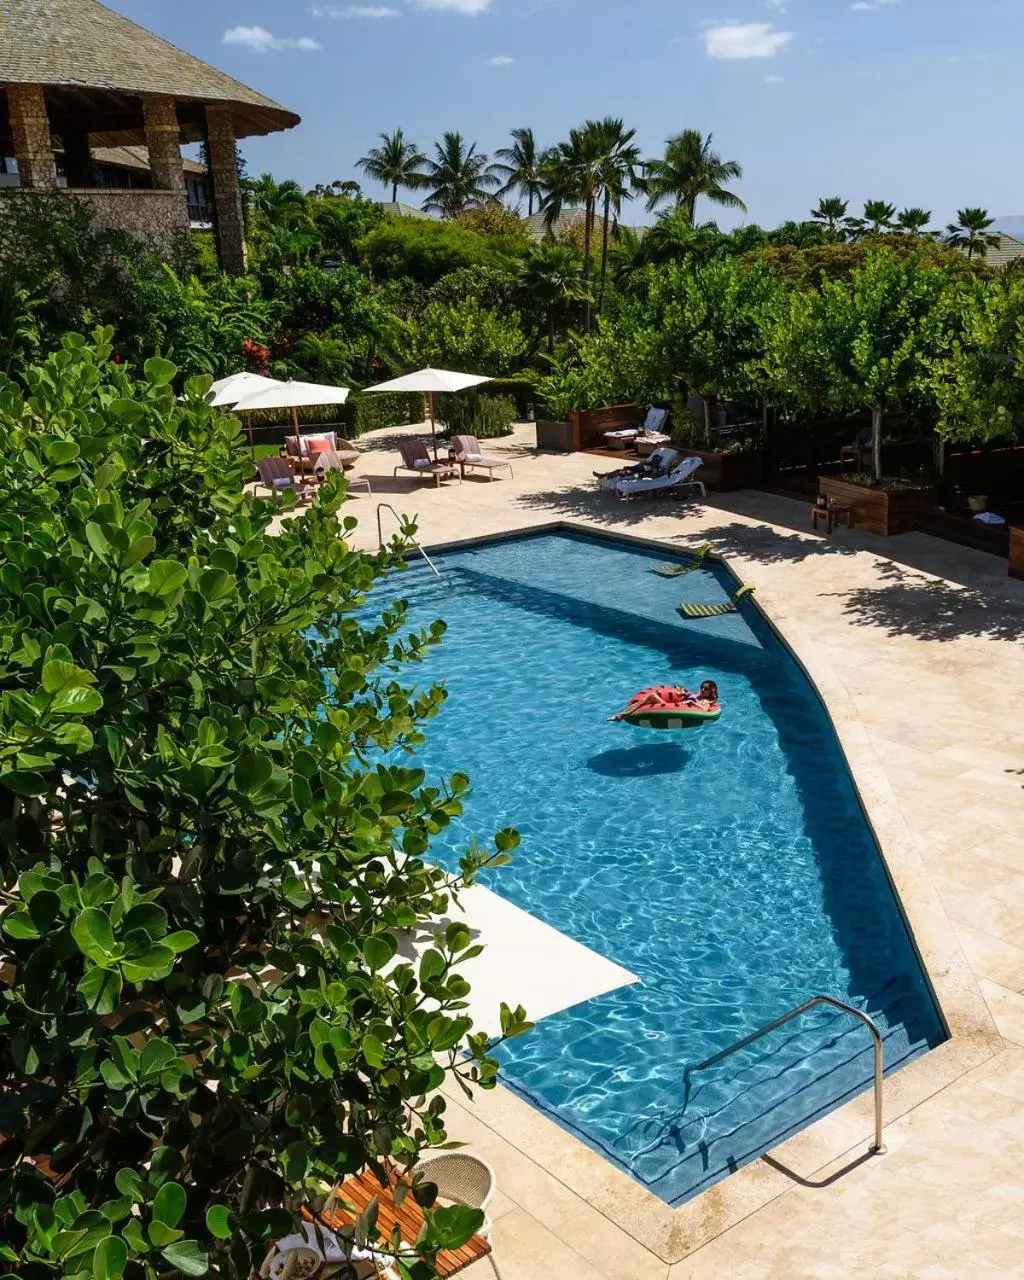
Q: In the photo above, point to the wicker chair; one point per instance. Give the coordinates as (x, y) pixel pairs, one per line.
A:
(461, 1178)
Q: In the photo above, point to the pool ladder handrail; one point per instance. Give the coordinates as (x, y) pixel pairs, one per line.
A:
(878, 1146)
(380, 535)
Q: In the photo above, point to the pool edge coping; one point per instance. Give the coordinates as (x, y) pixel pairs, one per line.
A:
(672, 1234)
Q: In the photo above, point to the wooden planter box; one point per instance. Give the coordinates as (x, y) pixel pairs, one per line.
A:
(1017, 551)
(723, 472)
(881, 511)
(589, 425)
(557, 435)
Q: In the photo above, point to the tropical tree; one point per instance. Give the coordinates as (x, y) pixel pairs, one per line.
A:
(205, 1012)
(830, 214)
(971, 232)
(552, 280)
(459, 177)
(674, 238)
(878, 218)
(618, 175)
(280, 204)
(395, 163)
(572, 175)
(913, 221)
(690, 169)
(522, 167)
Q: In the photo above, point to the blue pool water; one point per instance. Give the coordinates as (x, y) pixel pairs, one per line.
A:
(730, 868)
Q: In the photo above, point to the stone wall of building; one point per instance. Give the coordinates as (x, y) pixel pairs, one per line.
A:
(158, 218)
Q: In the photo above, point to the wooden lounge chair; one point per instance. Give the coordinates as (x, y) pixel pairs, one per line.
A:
(277, 474)
(416, 458)
(468, 454)
(327, 460)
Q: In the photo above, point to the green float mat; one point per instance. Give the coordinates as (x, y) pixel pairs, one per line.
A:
(677, 570)
(714, 610)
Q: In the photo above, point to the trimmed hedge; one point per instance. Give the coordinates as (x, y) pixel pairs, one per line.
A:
(389, 409)
(480, 415)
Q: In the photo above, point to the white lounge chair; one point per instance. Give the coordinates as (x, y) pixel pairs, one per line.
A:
(659, 463)
(679, 478)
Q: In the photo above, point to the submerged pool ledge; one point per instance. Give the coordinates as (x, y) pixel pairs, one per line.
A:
(827, 1146)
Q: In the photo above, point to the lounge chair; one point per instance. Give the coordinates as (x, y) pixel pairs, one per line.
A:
(415, 457)
(688, 566)
(651, 435)
(467, 454)
(718, 609)
(277, 474)
(303, 451)
(679, 479)
(327, 460)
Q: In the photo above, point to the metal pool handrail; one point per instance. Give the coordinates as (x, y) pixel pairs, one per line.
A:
(878, 1147)
(380, 535)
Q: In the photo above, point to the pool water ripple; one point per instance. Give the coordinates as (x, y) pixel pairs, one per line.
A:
(730, 867)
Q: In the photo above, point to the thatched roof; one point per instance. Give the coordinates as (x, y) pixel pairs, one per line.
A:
(94, 61)
(138, 158)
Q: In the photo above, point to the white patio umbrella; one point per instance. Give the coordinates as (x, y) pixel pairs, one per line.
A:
(295, 396)
(431, 381)
(236, 386)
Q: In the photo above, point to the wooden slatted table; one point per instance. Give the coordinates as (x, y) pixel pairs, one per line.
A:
(361, 1189)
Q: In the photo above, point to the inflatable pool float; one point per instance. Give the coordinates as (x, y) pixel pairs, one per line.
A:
(666, 707)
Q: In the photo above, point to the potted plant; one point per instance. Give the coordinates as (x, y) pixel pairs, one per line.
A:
(886, 506)
(731, 461)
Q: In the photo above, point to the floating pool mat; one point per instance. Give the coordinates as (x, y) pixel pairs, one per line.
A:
(677, 570)
(715, 610)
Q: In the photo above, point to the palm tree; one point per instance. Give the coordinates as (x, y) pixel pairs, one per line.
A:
(691, 169)
(395, 162)
(279, 203)
(572, 176)
(913, 221)
(971, 232)
(831, 214)
(521, 165)
(878, 217)
(459, 177)
(552, 279)
(674, 238)
(618, 175)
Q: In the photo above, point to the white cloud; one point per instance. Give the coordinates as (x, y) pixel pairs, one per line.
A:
(259, 40)
(868, 6)
(471, 8)
(780, 6)
(371, 11)
(745, 40)
(502, 60)
(775, 79)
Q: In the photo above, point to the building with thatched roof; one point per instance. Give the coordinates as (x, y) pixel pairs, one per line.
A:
(76, 77)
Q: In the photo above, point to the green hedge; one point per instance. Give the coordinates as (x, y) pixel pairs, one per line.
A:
(473, 414)
(387, 410)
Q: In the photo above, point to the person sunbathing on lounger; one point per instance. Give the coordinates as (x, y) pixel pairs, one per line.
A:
(659, 463)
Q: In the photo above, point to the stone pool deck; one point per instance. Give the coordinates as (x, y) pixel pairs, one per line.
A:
(917, 646)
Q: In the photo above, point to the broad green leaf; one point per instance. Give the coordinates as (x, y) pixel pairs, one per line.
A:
(187, 1257)
(97, 539)
(110, 1259)
(58, 675)
(91, 930)
(100, 989)
(166, 577)
(379, 949)
(24, 782)
(169, 1205)
(76, 702)
(159, 372)
(217, 1221)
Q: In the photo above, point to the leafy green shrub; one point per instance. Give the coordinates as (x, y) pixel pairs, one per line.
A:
(468, 337)
(202, 1022)
(424, 250)
(478, 414)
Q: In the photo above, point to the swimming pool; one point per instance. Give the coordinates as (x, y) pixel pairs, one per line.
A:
(730, 868)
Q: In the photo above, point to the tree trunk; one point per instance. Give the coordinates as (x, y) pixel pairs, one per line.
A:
(529, 204)
(551, 333)
(939, 453)
(587, 233)
(707, 420)
(604, 253)
(876, 440)
(394, 193)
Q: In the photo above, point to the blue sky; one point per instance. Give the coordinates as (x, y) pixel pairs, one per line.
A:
(914, 101)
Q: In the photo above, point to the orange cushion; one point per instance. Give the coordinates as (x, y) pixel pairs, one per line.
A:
(320, 446)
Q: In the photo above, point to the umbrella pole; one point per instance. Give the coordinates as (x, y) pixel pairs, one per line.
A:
(252, 442)
(298, 439)
(433, 430)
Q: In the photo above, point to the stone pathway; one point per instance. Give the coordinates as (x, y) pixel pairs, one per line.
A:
(926, 641)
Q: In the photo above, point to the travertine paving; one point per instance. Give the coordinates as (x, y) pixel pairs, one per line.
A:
(918, 648)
